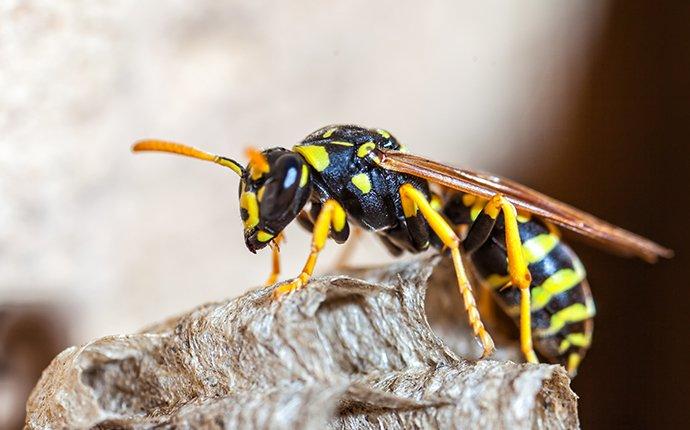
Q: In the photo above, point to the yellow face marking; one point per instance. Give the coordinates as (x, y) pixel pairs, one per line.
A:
(574, 313)
(305, 176)
(384, 133)
(329, 132)
(248, 202)
(365, 149)
(561, 281)
(496, 281)
(337, 142)
(362, 182)
(468, 199)
(316, 156)
(263, 236)
(538, 247)
(260, 193)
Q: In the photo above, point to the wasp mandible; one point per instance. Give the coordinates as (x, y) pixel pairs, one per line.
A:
(351, 174)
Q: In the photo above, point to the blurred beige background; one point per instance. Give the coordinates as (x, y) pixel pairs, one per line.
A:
(121, 240)
(587, 101)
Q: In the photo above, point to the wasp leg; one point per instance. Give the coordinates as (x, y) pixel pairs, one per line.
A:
(517, 266)
(349, 248)
(331, 215)
(394, 249)
(413, 200)
(305, 221)
(275, 270)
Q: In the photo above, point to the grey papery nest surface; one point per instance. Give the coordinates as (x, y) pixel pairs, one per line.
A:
(345, 352)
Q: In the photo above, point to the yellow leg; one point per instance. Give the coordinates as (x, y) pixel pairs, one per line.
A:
(331, 215)
(275, 248)
(517, 269)
(413, 200)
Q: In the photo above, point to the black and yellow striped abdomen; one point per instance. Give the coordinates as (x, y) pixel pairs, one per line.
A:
(562, 304)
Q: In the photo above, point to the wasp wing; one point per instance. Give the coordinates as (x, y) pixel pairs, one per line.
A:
(526, 199)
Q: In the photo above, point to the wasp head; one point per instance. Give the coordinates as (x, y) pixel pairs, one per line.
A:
(275, 187)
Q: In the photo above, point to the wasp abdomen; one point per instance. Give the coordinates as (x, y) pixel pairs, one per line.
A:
(561, 301)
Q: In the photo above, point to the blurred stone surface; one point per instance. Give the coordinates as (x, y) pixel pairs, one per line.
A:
(341, 353)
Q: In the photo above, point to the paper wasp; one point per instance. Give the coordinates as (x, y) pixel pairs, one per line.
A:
(350, 174)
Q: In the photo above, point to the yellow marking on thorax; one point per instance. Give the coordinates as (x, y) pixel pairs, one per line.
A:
(248, 202)
(384, 133)
(468, 199)
(316, 156)
(263, 236)
(362, 182)
(561, 281)
(538, 247)
(337, 142)
(305, 176)
(365, 149)
(329, 132)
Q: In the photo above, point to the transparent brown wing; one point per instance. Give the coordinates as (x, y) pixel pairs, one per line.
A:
(526, 199)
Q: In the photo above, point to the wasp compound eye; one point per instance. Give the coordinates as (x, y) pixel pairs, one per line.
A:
(285, 191)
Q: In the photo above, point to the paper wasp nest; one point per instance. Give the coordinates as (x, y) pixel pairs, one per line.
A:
(342, 353)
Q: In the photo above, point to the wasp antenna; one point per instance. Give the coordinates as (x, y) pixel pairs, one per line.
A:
(188, 151)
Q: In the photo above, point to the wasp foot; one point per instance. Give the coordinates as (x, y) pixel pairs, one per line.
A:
(290, 286)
